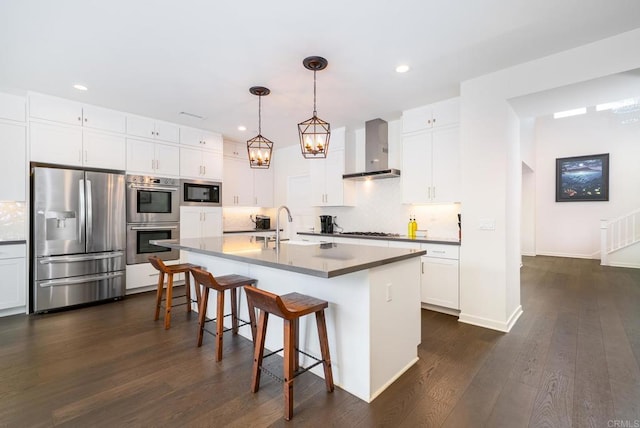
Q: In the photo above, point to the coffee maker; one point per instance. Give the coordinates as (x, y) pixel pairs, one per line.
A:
(326, 224)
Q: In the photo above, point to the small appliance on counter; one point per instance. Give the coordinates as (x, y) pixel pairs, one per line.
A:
(263, 222)
(326, 224)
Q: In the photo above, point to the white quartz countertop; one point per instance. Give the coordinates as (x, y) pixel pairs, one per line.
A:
(310, 258)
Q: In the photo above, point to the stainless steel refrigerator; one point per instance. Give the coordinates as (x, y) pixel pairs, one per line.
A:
(78, 228)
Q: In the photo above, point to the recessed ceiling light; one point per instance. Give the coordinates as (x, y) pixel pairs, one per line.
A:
(402, 68)
(80, 87)
(242, 128)
(568, 113)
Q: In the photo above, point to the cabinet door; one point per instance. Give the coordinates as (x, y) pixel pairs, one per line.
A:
(334, 168)
(211, 221)
(12, 107)
(317, 170)
(13, 173)
(191, 162)
(445, 165)
(166, 131)
(56, 144)
(440, 282)
(140, 127)
(13, 273)
(191, 222)
(237, 189)
(235, 150)
(140, 156)
(416, 168)
(417, 119)
(104, 119)
(446, 112)
(191, 136)
(56, 109)
(167, 159)
(263, 187)
(212, 141)
(104, 150)
(212, 165)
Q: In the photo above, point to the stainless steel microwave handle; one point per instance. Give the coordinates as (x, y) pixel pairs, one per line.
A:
(71, 259)
(153, 227)
(80, 280)
(137, 186)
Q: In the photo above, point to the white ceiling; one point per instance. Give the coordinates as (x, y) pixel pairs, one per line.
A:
(158, 58)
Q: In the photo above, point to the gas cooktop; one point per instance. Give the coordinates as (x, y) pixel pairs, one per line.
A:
(370, 233)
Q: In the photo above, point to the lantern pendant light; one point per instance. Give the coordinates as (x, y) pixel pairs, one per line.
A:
(259, 148)
(314, 133)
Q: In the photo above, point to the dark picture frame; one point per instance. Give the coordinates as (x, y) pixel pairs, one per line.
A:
(582, 178)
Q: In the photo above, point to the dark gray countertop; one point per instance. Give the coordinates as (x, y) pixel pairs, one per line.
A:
(249, 231)
(420, 240)
(20, 241)
(322, 260)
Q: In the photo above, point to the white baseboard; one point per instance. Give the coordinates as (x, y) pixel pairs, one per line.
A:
(436, 308)
(393, 379)
(13, 311)
(504, 326)
(568, 255)
(528, 253)
(624, 265)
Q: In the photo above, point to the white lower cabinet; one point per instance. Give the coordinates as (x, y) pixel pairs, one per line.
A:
(143, 275)
(440, 276)
(13, 270)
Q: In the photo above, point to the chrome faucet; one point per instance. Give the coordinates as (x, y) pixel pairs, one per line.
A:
(278, 222)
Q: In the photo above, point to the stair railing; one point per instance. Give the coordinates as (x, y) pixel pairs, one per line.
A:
(618, 233)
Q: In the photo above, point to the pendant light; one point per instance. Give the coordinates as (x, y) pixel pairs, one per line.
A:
(259, 148)
(315, 132)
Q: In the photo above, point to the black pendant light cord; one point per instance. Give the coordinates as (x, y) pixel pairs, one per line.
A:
(260, 115)
(314, 93)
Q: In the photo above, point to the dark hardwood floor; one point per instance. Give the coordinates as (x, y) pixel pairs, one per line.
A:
(572, 360)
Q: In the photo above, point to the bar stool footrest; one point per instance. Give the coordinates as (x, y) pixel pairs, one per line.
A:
(241, 323)
(298, 372)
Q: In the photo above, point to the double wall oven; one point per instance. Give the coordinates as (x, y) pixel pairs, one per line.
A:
(153, 212)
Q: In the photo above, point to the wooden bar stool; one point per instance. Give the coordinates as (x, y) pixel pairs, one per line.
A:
(170, 270)
(290, 307)
(221, 284)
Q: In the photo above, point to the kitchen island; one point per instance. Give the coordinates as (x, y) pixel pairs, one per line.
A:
(373, 318)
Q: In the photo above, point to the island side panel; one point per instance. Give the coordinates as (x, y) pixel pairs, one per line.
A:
(395, 321)
(348, 317)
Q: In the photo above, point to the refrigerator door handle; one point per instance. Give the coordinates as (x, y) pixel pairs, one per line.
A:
(79, 279)
(81, 210)
(71, 259)
(89, 214)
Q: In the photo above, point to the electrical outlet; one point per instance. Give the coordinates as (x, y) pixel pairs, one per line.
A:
(389, 298)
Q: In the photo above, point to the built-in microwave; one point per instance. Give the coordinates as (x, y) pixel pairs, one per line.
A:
(200, 192)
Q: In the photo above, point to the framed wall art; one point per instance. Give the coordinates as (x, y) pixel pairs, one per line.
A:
(582, 178)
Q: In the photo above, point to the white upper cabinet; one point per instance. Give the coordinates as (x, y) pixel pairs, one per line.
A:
(153, 129)
(201, 164)
(153, 158)
(74, 146)
(13, 174)
(327, 186)
(73, 113)
(12, 107)
(443, 113)
(431, 157)
(203, 139)
(242, 185)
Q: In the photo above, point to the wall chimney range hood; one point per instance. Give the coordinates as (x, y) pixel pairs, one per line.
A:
(376, 136)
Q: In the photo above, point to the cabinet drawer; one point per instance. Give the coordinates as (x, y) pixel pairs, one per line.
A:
(12, 251)
(442, 251)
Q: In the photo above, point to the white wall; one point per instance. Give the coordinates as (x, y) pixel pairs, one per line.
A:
(489, 274)
(572, 229)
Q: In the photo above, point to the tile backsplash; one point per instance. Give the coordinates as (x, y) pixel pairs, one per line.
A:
(13, 221)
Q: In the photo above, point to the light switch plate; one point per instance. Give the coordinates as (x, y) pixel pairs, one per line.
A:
(487, 224)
